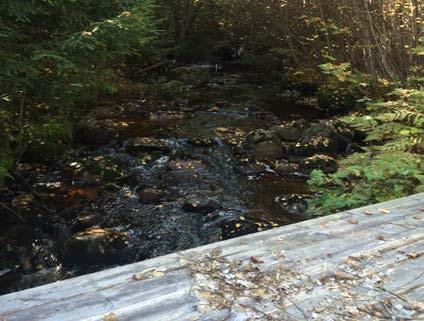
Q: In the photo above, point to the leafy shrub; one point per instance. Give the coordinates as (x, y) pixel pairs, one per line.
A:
(46, 140)
(394, 125)
(364, 179)
(338, 97)
(60, 54)
(394, 165)
(342, 90)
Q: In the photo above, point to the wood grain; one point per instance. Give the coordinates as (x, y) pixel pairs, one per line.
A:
(389, 245)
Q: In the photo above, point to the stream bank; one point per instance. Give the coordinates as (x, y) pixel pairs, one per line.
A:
(230, 156)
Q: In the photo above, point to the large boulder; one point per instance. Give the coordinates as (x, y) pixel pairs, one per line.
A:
(147, 144)
(263, 144)
(268, 151)
(95, 246)
(283, 167)
(258, 136)
(92, 131)
(291, 131)
(322, 162)
(203, 205)
(150, 196)
(325, 136)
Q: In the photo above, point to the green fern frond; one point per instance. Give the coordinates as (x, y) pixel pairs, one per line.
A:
(404, 116)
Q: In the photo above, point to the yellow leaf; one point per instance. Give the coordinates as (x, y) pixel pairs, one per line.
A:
(110, 317)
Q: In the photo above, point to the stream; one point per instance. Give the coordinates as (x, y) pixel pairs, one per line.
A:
(151, 179)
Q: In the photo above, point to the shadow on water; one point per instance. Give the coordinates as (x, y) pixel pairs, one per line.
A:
(101, 187)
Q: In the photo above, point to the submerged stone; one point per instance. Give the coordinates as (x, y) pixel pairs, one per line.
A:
(147, 144)
(95, 246)
(200, 205)
(291, 131)
(268, 151)
(92, 131)
(285, 167)
(150, 196)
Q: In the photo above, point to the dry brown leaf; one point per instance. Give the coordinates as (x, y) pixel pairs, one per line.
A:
(353, 262)
(148, 274)
(340, 275)
(354, 258)
(413, 255)
(384, 210)
(422, 209)
(216, 252)
(352, 221)
(110, 317)
(381, 238)
(256, 260)
(368, 213)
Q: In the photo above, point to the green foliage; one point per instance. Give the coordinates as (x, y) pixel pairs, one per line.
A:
(57, 54)
(46, 140)
(6, 160)
(396, 124)
(393, 168)
(343, 89)
(365, 179)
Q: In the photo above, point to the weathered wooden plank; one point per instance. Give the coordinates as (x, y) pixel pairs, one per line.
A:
(312, 247)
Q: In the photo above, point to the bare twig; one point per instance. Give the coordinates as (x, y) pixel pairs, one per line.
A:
(160, 64)
(16, 213)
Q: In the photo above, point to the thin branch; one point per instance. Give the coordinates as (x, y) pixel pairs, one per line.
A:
(16, 213)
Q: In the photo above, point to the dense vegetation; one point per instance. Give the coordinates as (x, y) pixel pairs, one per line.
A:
(363, 59)
(57, 57)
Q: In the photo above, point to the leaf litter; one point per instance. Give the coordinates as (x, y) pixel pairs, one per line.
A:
(257, 289)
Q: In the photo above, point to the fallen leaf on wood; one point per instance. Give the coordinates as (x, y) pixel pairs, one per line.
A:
(352, 221)
(422, 209)
(110, 317)
(256, 260)
(148, 274)
(381, 238)
(368, 213)
(352, 262)
(339, 275)
(413, 255)
(216, 252)
(354, 258)
(384, 210)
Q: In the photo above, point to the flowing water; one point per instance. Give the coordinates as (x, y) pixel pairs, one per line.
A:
(100, 186)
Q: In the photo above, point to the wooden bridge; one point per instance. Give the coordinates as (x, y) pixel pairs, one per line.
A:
(364, 264)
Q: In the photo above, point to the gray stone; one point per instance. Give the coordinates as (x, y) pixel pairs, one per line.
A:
(147, 144)
(200, 205)
(150, 196)
(268, 151)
